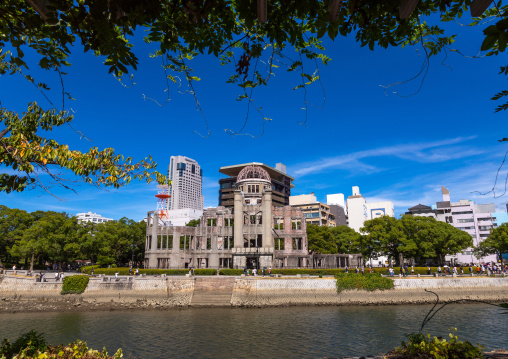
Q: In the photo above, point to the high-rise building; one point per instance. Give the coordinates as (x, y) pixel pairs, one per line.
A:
(186, 183)
(281, 183)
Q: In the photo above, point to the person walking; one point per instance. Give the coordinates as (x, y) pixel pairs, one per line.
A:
(429, 271)
(269, 271)
(439, 271)
(412, 270)
(347, 269)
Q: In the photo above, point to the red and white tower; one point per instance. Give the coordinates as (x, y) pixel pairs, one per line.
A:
(163, 197)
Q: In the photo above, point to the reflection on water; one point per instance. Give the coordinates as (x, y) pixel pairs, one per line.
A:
(294, 332)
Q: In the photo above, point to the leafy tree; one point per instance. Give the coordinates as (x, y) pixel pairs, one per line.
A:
(418, 231)
(193, 223)
(446, 239)
(46, 239)
(13, 222)
(346, 239)
(230, 30)
(496, 243)
(386, 234)
(321, 239)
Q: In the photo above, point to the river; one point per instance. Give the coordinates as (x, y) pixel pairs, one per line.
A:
(289, 332)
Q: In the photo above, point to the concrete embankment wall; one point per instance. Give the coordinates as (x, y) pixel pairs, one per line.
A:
(255, 291)
(172, 291)
(261, 292)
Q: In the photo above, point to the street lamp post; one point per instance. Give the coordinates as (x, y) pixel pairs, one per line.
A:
(132, 250)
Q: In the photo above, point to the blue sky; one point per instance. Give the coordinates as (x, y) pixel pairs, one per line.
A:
(395, 148)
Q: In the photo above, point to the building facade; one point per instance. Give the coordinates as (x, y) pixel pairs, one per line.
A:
(463, 215)
(315, 212)
(281, 183)
(92, 217)
(186, 184)
(359, 210)
(254, 233)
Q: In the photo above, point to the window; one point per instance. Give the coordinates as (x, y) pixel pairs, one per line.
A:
(467, 212)
(208, 243)
(185, 242)
(170, 242)
(485, 228)
(466, 220)
(449, 219)
(228, 222)
(278, 223)
(296, 223)
(484, 235)
(193, 169)
(149, 240)
(279, 244)
(297, 243)
(259, 241)
(248, 190)
(484, 219)
(252, 219)
(212, 222)
(159, 241)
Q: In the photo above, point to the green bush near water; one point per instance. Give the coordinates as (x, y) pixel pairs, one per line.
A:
(370, 282)
(75, 284)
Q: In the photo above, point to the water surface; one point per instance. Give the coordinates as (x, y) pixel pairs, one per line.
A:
(292, 332)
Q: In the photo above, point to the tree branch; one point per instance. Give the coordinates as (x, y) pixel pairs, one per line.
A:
(4, 132)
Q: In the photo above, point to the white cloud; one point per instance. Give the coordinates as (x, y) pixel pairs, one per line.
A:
(428, 152)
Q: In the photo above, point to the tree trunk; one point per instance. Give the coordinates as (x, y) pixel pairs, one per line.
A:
(32, 261)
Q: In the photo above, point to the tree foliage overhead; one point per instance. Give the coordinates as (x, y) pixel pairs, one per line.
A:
(229, 30)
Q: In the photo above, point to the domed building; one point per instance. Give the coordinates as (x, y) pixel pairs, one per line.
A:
(255, 233)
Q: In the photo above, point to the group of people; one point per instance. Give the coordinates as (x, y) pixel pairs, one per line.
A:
(254, 272)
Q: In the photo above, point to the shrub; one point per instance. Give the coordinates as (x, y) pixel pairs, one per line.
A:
(78, 349)
(75, 284)
(88, 269)
(423, 347)
(29, 343)
(368, 282)
(231, 271)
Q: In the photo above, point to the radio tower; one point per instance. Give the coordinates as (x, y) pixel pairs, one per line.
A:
(163, 197)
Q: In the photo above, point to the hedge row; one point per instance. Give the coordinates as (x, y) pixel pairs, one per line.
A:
(236, 272)
(369, 282)
(75, 284)
(125, 271)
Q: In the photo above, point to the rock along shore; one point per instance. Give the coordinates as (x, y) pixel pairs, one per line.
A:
(23, 294)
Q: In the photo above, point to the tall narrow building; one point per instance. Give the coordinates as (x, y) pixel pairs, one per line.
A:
(186, 183)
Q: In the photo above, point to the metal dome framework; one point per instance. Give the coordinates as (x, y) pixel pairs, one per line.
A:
(253, 173)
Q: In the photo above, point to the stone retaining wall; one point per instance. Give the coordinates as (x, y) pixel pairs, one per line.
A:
(254, 291)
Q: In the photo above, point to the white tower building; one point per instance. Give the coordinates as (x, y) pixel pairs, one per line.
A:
(186, 183)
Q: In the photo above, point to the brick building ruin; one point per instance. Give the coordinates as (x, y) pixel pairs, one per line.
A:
(253, 234)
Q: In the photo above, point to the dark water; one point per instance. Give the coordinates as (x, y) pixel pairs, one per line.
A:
(295, 332)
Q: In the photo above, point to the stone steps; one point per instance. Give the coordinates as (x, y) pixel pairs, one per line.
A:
(212, 291)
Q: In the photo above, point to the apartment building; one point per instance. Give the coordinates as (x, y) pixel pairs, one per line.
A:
(315, 212)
